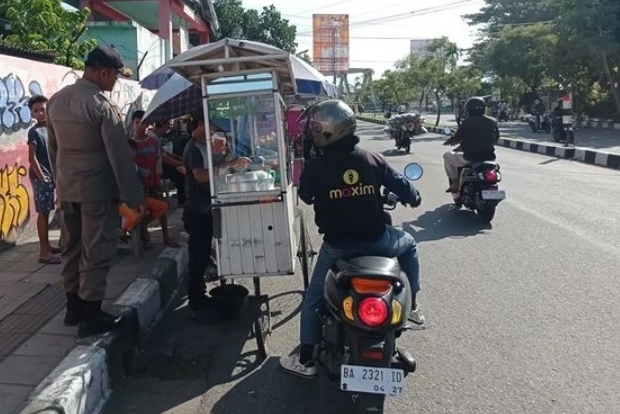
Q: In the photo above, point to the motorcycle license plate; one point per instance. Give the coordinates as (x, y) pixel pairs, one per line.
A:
(493, 194)
(372, 380)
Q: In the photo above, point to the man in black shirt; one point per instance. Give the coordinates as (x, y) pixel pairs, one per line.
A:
(477, 135)
(344, 185)
(197, 218)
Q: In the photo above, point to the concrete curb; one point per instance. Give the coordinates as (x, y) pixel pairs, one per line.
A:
(589, 123)
(83, 380)
(584, 155)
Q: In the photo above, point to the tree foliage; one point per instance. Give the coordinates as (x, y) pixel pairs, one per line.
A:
(562, 44)
(45, 26)
(266, 26)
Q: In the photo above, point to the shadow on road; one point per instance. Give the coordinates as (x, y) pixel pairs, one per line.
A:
(445, 222)
(270, 390)
(187, 357)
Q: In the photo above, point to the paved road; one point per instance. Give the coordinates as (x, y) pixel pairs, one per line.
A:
(521, 315)
(597, 139)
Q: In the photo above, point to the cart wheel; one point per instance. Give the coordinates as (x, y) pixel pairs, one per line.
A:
(259, 333)
(262, 320)
(304, 252)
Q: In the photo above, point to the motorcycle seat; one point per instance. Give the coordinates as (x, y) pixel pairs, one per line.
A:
(372, 266)
(477, 166)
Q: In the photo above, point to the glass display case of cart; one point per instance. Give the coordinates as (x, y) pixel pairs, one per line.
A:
(250, 119)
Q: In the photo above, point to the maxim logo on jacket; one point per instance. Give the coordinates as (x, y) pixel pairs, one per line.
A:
(353, 187)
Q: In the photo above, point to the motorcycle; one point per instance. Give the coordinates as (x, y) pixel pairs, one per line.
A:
(562, 133)
(502, 116)
(540, 122)
(367, 303)
(402, 128)
(478, 189)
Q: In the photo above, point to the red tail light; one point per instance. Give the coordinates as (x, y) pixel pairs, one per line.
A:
(373, 311)
(490, 176)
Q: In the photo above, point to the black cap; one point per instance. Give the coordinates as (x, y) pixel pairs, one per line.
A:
(107, 57)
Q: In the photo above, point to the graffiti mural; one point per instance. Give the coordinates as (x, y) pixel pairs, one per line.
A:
(20, 79)
(14, 113)
(14, 200)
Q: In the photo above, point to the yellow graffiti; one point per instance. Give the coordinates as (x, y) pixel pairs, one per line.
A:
(14, 200)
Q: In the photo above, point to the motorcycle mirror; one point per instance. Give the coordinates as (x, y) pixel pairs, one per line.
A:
(447, 131)
(414, 171)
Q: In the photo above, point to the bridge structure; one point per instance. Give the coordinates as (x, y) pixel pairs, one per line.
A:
(341, 79)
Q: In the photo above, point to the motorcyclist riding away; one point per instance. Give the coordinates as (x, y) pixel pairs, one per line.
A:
(538, 110)
(477, 136)
(344, 185)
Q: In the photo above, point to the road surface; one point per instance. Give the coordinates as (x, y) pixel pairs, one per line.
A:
(522, 315)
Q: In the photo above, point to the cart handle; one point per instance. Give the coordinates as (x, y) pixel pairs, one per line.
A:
(278, 199)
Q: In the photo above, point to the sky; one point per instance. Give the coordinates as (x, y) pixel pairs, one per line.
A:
(378, 45)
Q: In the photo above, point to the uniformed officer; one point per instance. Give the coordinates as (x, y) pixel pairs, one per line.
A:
(93, 167)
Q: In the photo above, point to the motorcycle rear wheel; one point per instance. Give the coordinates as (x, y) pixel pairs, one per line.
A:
(486, 214)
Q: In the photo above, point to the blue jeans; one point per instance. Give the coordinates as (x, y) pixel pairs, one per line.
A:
(393, 243)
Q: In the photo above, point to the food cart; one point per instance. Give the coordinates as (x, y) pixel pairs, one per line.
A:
(259, 231)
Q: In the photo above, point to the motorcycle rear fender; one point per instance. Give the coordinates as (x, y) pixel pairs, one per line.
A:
(362, 345)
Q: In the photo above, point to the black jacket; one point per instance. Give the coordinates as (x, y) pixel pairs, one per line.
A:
(477, 136)
(344, 185)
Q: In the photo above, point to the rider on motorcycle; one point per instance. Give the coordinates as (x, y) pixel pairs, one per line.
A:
(538, 110)
(344, 185)
(477, 135)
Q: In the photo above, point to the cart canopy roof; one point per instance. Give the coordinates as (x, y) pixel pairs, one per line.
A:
(229, 57)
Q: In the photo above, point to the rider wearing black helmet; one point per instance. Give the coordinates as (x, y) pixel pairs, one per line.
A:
(477, 136)
(344, 185)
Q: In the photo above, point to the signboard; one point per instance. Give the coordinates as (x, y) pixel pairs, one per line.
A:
(330, 41)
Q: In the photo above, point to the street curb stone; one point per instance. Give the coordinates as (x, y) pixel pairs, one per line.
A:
(589, 123)
(584, 155)
(82, 382)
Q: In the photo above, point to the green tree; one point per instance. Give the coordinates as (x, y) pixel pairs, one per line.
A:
(523, 52)
(592, 27)
(438, 69)
(44, 25)
(496, 14)
(266, 26)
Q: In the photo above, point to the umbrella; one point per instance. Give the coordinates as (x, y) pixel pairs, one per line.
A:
(308, 80)
(176, 97)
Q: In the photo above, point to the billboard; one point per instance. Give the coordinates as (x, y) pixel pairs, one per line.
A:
(419, 47)
(330, 42)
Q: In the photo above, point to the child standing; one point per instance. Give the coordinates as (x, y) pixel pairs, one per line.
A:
(42, 178)
(149, 162)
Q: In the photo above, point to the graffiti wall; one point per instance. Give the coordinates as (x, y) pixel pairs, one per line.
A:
(19, 80)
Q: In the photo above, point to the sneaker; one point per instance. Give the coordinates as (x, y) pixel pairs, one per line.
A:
(416, 316)
(290, 363)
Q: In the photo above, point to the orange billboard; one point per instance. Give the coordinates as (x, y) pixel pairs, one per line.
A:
(330, 42)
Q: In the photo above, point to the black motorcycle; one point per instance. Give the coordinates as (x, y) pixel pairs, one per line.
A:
(403, 140)
(367, 303)
(478, 187)
(563, 133)
(502, 116)
(540, 122)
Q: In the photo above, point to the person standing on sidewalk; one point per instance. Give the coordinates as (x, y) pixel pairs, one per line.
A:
(197, 217)
(41, 178)
(92, 163)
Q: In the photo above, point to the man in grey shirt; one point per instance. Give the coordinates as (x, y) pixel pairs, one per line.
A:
(92, 164)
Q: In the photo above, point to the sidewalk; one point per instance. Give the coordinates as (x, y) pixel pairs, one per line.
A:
(33, 339)
(596, 147)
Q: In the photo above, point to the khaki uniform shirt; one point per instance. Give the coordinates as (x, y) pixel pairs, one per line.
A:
(88, 146)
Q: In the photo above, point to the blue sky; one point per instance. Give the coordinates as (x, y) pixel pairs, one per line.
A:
(435, 18)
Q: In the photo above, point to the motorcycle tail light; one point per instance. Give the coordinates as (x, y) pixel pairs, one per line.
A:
(491, 176)
(373, 311)
(361, 285)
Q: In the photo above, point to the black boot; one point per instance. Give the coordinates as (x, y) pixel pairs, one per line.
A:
(74, 309)
(95, 321)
